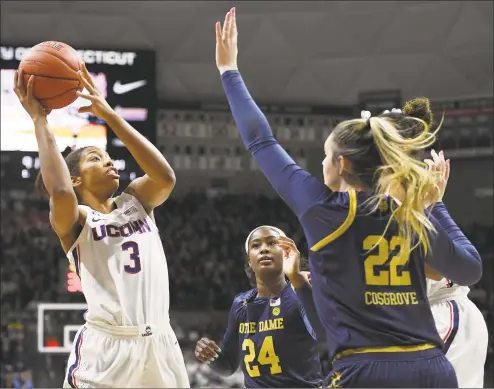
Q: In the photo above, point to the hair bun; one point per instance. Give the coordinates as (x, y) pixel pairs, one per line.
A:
(419, 108)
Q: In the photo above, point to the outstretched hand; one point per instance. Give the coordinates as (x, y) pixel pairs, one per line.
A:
(26, 96)
(291, 262)
(226, 43)
(99, 106)
(442, 166)
(206, 350)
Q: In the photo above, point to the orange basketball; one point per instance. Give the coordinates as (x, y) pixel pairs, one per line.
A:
(55, 66)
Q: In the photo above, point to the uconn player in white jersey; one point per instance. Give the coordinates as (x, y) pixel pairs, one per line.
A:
(115, 246)
(462, 327)
(459, 322)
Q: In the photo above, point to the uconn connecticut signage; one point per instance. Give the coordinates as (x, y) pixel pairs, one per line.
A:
(89, 56)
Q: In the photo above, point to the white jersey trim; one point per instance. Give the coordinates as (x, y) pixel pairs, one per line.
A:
(83, 232)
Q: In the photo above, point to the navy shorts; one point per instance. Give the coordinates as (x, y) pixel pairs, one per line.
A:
(420, 369)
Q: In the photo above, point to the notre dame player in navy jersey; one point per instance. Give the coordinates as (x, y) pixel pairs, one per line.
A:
(367, 253)
(268, 332)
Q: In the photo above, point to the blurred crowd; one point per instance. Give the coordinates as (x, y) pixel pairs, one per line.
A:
(203, 239)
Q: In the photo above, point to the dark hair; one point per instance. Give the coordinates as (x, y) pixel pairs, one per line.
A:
(72, 160)
(249, 272)
(382, 152)
(419, 108)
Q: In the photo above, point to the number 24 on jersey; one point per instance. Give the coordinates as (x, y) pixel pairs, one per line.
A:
(266, 356)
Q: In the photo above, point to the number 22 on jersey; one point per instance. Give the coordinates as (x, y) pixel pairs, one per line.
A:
(391, 276)
(266, 356)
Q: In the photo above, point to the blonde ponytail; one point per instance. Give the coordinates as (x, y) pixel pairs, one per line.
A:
(413, 178)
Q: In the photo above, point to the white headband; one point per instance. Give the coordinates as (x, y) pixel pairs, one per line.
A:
(280, 233)
(366, 115)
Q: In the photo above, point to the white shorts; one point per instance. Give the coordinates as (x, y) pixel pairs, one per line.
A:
(462, 327)
(126, 357)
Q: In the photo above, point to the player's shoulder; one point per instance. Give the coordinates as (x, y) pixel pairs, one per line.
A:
(289, 297)
(239, 304)
(241, 299)
(338, 203)
(331, 218)
(125, 197)
(129, 203)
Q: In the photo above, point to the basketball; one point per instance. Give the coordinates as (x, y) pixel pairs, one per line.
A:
(55, 66)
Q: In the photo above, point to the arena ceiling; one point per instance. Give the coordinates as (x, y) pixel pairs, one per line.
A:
(299, 51)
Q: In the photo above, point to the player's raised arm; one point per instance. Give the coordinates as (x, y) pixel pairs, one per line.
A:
(452, 254)
(56, 179)
(159, 180)
(224, 360)
(301, 285)
(296, 186)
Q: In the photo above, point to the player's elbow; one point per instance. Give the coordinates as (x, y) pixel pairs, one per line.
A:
(167, 182)
(170, 179)
(166, 179)
(469, 274)
(472, 276)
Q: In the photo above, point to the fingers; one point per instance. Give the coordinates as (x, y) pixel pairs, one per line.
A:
(90, 88)
(20, 80)
(19, 87)
(86, 109)
(438, 166)
(209, 345)
(441, 157)
(225, 25)
(16, 79)
(218, 32)
(234, 21)
(86, 96)
(438, 159)
(445, 165)
(286, 240)
(438, 162)
(206, 350)
(87, 80)
(229, 26)
(30, 86)
(287, 244)
(87, 76)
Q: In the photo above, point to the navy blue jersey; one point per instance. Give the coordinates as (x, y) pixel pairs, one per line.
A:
(367, 297)
(273, 342)
(367, 292)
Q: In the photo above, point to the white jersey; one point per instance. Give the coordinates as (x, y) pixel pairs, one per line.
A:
(444, 289)
(120, 260)
(462, 328)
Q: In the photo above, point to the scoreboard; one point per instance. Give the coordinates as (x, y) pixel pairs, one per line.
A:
(126, 78)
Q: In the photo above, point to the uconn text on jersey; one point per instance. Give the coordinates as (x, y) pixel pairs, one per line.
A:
(128, 229)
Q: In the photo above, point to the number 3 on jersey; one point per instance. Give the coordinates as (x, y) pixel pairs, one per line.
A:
(267, 356)
(133, 249)
(389, 277)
